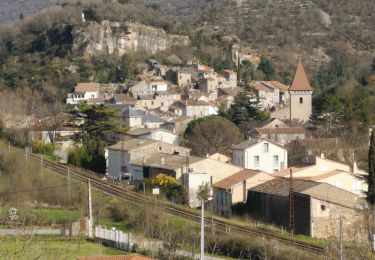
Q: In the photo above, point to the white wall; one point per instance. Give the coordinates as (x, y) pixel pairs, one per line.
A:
(170, 138)
(245, 158)
(195, 180)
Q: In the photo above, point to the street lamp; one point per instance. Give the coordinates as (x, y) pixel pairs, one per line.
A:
(202, 226)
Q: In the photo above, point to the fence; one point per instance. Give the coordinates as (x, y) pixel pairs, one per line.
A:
(115, 238)
(25, 232)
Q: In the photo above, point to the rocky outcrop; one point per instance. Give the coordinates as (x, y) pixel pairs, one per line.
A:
(113, 37)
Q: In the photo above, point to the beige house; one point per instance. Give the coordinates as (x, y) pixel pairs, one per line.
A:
(218, 170)
(279, 132)
(340, 175)
(230, 78)
(233, 189)
(220, 157)
(184, 79)
(208, 85)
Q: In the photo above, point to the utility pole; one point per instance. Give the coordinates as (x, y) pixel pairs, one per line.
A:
(69, 187)
(41, 164)
(26, 153)
(341, 240)
(291, 203)
(202, 230)
(90, 212)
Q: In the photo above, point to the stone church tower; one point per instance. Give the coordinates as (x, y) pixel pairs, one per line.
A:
(300, 103)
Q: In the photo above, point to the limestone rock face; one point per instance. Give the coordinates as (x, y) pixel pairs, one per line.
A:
(113, 37)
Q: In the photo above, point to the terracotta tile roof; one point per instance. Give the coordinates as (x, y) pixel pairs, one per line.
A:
(87, 87)
(114, 257)
(300, 81)
(322, 176)
(231, 91)
(236, 178)
(281, 130)
(279, 85)
(229, 71)
(286, 172)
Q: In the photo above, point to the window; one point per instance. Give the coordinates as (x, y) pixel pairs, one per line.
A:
(275, 161)
(256, 161)
(265, 147)
(275, 170)
(301, 100)
(323, 207)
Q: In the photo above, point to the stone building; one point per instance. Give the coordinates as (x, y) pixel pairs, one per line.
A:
(317, 208)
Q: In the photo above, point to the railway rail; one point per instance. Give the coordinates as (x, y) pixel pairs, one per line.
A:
(218, 224)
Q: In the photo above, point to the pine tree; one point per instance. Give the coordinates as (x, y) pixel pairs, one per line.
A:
(371, 170)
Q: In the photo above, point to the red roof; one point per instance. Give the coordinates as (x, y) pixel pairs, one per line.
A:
(87, 87)
(300, 81)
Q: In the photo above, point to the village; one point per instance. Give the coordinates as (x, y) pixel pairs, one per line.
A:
(254, 177)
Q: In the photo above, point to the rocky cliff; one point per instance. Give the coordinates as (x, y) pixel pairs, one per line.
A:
(113, 37)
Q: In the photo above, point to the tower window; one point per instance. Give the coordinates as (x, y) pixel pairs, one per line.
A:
(301, 100)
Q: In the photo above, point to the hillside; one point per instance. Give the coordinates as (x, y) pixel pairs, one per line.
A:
(11, 10)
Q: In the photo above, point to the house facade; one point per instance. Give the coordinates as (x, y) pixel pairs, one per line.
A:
(262, 155)
(128, 158)
(233, 189)
(83, 92)
(347, 177)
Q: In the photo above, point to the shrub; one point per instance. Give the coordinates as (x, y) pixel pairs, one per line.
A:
(43, 148)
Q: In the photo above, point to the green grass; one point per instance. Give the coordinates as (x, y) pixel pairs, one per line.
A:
(44, 216)
(120, 225)
(53, 249)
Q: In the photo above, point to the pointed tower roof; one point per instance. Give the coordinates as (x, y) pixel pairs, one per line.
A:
(300, 81)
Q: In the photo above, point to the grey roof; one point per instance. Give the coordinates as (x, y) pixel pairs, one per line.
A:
(152, 118)
(131, 144)
(280, 186)
(245, 144)
(131, 112)
(317, 190)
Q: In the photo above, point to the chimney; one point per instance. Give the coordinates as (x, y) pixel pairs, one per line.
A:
(322, 155)
(162, 160)
(354, 168)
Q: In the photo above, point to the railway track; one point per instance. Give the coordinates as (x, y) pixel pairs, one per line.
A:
(218, 224)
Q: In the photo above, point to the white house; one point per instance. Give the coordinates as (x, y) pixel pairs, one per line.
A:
(83, 92)
(262, 155)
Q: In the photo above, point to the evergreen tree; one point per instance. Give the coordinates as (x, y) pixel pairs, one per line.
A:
(371, 170)
(267, 68)
(244, 108)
